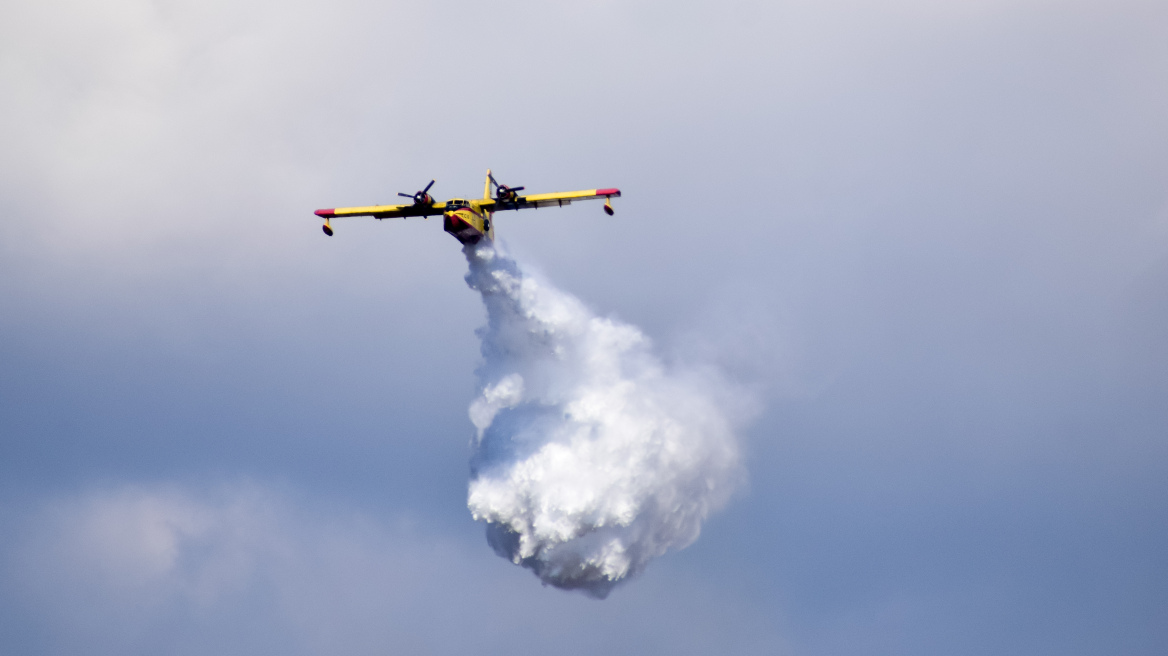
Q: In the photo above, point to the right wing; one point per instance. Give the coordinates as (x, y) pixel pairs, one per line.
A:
(384, 211)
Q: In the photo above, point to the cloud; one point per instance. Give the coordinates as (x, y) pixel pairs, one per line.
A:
(941, 206)
(246, 567)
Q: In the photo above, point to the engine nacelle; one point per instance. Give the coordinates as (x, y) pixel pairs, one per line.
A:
(507, 194)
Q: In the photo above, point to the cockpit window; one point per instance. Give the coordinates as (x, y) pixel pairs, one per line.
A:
(456, 203)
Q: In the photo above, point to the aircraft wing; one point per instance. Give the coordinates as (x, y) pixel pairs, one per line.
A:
(558, 199)
(385, 211)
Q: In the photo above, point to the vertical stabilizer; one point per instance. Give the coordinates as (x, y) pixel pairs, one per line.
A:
(490, 217)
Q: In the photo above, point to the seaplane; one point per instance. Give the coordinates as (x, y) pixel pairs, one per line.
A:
(469, 219)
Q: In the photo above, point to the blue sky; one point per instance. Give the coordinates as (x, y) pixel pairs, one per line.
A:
(927, 244)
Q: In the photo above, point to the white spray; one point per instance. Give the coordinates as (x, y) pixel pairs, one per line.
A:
(590, 458)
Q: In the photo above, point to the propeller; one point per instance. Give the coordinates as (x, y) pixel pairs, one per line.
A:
(503, 192)
(422, 197)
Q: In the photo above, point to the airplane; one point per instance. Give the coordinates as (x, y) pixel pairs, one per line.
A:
(469, 220)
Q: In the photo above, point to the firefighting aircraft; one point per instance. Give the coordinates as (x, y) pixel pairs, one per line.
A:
(469, 220)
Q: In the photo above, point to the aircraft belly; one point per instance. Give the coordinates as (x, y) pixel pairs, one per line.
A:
(466, 226)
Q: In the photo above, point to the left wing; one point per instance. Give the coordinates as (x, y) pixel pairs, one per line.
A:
(385, 211)
(558, 199)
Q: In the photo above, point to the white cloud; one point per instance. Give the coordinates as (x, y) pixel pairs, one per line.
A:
(244, 567)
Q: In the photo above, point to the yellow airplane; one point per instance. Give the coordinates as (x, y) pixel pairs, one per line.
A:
(469, 220)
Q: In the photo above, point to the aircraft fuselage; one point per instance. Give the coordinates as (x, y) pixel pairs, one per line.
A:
(467, 221)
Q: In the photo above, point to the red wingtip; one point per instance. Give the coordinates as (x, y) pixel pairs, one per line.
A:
(326, 213)
(608, 192)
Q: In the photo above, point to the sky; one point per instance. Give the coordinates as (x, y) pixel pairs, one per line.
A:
(924, 245)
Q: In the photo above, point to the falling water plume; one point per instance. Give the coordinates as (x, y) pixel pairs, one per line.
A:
(591, 457)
